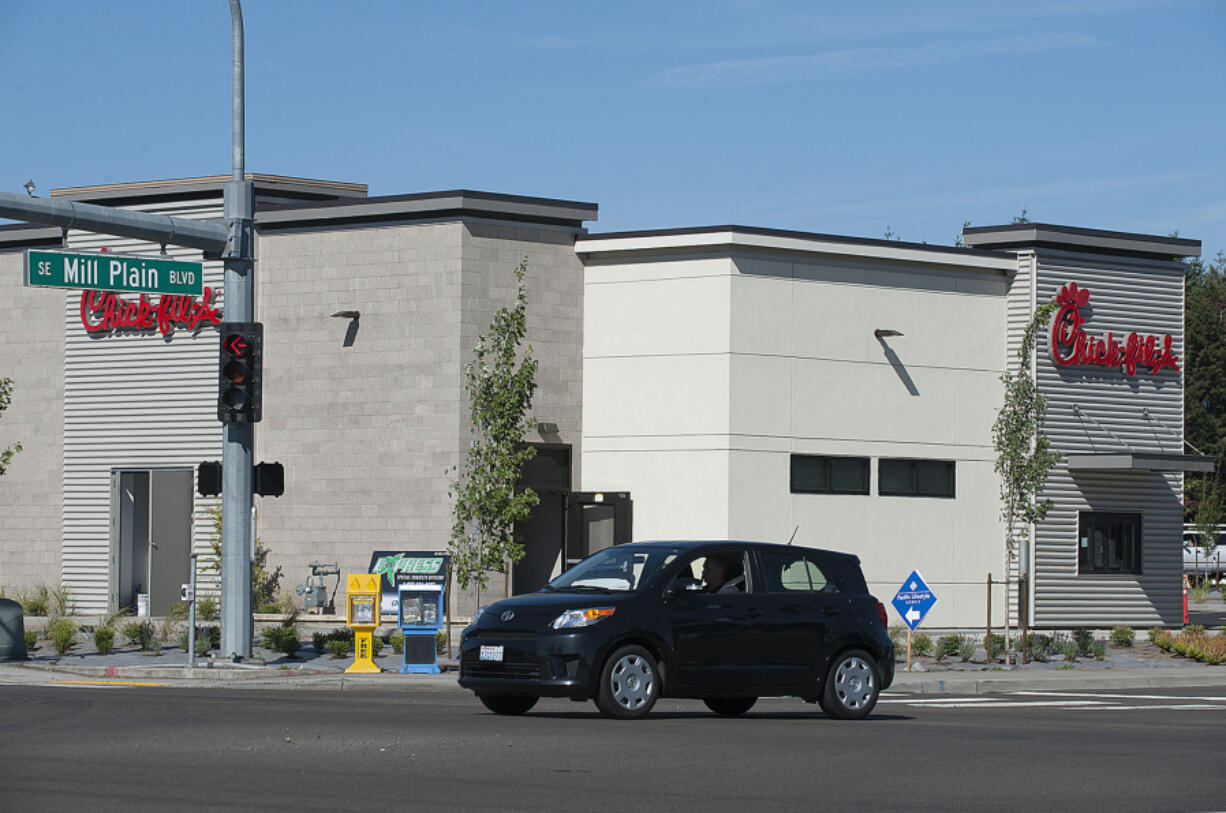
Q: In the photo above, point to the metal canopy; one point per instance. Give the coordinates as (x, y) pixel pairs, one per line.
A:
(1141, 461)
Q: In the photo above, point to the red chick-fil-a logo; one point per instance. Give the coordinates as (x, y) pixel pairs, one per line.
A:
(104, 311)
(1071, 345)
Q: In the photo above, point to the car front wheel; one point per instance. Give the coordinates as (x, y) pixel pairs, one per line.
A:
(851, 687)
(629, 683)
(511, 704)
(730, 706)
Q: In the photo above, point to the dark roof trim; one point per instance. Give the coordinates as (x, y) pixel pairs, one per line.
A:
(18, 236)
(1072, 238)
(801, 235)
(428, 206)
(277, 187)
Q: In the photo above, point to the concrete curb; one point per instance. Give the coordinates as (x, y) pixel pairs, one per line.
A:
(981, 683)
(236, 676)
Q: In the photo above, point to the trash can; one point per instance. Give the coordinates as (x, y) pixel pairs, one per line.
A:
(142, 605)
(12, 631)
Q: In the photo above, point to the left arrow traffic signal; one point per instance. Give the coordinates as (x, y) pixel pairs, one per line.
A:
(239, 383)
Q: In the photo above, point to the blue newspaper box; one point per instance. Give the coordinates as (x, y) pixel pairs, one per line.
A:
(420, 618)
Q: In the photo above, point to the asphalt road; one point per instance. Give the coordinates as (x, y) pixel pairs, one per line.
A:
(78, 746)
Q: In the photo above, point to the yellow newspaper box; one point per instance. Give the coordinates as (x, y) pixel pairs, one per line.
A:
(362, 614)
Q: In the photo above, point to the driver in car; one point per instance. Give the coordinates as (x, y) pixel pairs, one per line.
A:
(715, 577)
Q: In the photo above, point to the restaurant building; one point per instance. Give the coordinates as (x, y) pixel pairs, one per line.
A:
(694, 383)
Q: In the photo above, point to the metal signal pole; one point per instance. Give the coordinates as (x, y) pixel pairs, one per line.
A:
(238, 439)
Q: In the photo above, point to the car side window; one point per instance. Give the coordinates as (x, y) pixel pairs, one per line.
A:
(793, 573)
(722, 572)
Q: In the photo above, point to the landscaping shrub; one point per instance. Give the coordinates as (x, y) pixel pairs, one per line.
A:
(994, 647)
(396, 639)
(104, 640)
(440, 642)
(376, 646)
(37, 602)
(1194, 629)
(206, 609)
(146, 635)
(31, 640)
(947, 646)
(1070, 651)
(1084, 640)
(319, 640)
(1122, 636)
(63, 635)
(1037, 651)
(898, 634)
(921, 645)
(132, 632)
(966, 647)
(1154, 632)
(1100, 649)
(338, 647)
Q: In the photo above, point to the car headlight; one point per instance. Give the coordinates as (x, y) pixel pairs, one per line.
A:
(580, 618)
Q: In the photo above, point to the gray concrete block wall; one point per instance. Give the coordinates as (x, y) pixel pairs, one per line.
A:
(554, 287)
(371, 424)
(366, 425)
(31, 496)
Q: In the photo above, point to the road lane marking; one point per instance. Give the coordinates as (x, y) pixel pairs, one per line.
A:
(1220, 699)
(106, 683)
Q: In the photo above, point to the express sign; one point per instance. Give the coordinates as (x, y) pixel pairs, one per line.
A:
(1071, 345)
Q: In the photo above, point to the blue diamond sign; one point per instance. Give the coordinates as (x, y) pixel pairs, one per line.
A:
(913, 600)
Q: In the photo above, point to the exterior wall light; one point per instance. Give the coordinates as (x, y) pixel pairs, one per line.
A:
(546, 427)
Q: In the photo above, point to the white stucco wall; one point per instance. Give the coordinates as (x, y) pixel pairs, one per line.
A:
(703, 374)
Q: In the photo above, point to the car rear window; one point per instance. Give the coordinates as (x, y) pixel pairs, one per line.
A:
(790, 572)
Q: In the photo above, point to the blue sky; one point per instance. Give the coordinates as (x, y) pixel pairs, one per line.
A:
(836, 117)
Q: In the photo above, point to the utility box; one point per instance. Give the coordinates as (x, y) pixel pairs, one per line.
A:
(362, 614)
(13, 631)
(420, 618)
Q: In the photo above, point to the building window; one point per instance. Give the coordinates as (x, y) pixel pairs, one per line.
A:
(814, 474)
(915, 478)
(1108, 543)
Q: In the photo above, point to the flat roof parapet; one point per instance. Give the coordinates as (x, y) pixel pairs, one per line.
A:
(752, 237)
(1022, 236)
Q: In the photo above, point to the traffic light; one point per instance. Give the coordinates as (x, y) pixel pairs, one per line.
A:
(239, 379)
(208, 478)
(269, 479)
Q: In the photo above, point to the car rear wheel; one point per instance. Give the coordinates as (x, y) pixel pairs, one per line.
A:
(730, 706)
(512, 704)
(852, 686)
(629, 683)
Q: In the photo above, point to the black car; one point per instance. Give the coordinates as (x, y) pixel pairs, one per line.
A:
(727, 622)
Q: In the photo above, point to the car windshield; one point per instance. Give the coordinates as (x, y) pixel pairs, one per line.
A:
(613, 570)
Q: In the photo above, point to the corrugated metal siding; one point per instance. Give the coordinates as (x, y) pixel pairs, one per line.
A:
(132, 402)
(1125, 296)
(1019, 306)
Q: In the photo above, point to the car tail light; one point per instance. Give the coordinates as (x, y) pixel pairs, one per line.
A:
(885, 619)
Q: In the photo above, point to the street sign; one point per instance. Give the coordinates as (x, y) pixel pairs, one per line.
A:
(913, 600)
(111, 272)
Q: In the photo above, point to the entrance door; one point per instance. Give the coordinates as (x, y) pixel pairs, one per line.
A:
(548, 474)
(151, 544)
(596, 520)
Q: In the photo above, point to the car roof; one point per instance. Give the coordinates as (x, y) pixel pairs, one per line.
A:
(687, 544)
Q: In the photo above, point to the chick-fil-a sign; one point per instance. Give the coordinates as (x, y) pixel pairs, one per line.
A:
(105, 311)
(1071, 345)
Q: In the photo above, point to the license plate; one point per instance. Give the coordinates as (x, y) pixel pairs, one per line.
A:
(491, 653)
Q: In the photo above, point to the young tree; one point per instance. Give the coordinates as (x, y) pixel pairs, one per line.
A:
(1024, 456)
(6, 397)
(501, 380)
